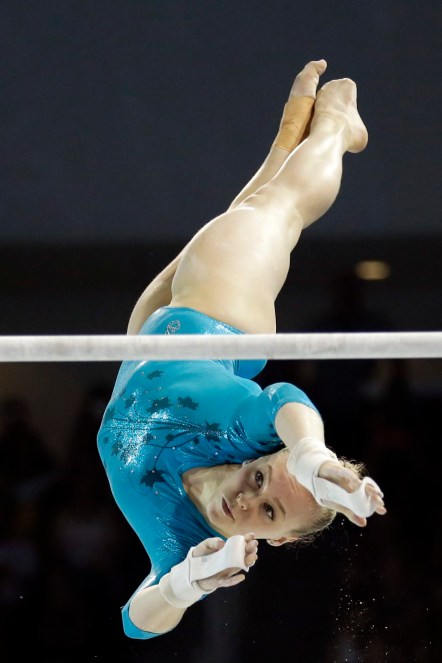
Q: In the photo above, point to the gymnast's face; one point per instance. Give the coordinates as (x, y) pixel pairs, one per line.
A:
(261, 497)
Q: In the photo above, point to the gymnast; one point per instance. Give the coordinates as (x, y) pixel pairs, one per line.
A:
(201, 461)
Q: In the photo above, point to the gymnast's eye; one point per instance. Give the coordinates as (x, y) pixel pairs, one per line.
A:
(268, 510)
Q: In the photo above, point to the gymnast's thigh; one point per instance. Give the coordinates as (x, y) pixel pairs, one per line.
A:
(234, 269)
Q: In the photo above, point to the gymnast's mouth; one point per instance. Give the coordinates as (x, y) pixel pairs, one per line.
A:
(226, 509)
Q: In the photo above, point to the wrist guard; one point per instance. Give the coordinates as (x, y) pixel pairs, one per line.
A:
(304, 463)
(180, 586)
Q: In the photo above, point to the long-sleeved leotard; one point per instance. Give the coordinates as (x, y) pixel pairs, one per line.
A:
(167, 417)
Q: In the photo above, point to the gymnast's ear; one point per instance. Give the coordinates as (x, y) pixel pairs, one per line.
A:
(282, 540)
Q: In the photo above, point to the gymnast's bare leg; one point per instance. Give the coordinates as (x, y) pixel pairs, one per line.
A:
(293, 130)
(235, 266)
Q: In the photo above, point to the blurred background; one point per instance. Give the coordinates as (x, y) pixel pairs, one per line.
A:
(125, 126)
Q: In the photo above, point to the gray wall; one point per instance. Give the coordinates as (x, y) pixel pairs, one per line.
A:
(129, 121)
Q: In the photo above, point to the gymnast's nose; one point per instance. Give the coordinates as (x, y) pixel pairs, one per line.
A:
(242, 501)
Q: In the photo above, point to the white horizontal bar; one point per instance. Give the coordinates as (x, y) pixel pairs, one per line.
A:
(378, 345)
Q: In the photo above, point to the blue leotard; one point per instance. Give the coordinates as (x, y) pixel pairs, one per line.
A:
(167, 417)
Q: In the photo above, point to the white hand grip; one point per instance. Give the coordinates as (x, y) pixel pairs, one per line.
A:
(180, 586)
(359, 502)
(230, 556)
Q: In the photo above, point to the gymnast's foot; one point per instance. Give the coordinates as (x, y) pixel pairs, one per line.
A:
(337, 101)
(306, 82)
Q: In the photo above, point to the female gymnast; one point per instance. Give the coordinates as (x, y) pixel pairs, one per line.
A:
(202, 461)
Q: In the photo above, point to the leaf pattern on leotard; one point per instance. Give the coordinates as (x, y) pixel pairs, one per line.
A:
(154, 374)
(117, 448)
(188, 403)
(151, 477)
(159, 404)
(213, 433)
(130, 401)
(163, 432)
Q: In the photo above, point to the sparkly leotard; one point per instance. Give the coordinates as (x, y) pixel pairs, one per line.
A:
(167, 417)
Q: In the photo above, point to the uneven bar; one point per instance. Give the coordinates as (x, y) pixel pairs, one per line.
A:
(377, 345)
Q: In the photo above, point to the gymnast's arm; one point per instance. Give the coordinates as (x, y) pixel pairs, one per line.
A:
(149, 611)
(153, 610)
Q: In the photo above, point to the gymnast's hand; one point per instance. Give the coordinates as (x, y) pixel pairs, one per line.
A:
(231, 576)
(350, 482)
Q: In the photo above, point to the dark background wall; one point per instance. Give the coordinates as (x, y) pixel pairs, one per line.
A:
(124, 127)
(125, 121)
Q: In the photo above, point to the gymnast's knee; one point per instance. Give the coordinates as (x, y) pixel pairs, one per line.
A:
(269, 194)
(273, 198)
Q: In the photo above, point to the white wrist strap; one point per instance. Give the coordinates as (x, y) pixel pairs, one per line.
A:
(306, 458)
(304, 462)
(180, 586)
